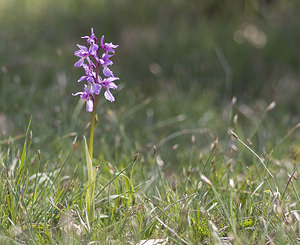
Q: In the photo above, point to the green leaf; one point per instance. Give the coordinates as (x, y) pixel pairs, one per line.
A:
(91, 184)
(23, 157)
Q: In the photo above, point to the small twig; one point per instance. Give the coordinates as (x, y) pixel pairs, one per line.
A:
(253, 152)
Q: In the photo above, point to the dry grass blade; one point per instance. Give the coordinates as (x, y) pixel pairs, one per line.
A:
(171, 230)
(289, 181)
(183, 132)
(253, 152)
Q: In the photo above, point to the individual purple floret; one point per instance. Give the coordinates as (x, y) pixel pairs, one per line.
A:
(92, 40)
(94, 58)
(88, 97)
(90, 75)
(107, 84)
(83, 53)
(108, 47)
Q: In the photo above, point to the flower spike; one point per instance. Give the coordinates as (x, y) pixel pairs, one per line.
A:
(91, 59)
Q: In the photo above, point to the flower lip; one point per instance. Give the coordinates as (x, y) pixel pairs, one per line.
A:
(89, 106)
(107, 72)
(108, 95)
(79, 63)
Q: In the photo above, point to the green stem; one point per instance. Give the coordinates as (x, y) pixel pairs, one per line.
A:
(92, 128)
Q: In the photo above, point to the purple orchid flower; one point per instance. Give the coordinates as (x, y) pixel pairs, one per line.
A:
(88, 97)
(90, 75)
(105, 60)
(92, 40)
(108, 47)
(83, 53)
(108, 84)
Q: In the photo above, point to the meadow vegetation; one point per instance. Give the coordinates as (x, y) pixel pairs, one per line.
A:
(201, 146)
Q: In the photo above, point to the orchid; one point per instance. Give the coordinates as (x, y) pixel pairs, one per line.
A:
(91, 60)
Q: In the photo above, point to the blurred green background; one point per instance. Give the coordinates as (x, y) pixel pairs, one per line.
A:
(178, 60)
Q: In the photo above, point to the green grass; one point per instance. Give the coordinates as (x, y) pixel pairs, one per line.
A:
(168, 166)
(219, 190)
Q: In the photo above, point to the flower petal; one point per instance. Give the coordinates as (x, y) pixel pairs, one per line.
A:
(112, 85)
(109, 96)
(93, 49)
(83, 48)
(78, 53)
(111, 79)
(89, 106)
(79, 63)
(107, 72)
(90, 79)
(102, 38)
(78, 93)
(96, 88)
(82, 78)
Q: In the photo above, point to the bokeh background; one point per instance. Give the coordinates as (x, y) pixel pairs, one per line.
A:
(180, 63)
